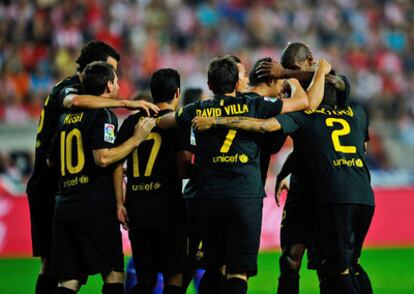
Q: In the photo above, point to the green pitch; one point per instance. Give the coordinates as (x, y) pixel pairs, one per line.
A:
(390, 270)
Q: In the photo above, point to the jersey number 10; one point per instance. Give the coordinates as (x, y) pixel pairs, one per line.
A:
(339, 133)
(66, 152)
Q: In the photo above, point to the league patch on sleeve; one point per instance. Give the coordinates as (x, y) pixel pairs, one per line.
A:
(270, 99)
(109, 133)
(70, 91)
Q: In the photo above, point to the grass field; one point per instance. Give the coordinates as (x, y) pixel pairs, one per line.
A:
(391, 272)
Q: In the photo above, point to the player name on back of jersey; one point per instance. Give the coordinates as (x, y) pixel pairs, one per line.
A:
(228, 110)
(73, 118)
(324, 111)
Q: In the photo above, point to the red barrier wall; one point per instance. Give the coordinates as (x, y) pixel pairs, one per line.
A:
(392, 224)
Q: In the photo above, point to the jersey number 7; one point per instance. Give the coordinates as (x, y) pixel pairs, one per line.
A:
(228, 141)
(151, 160)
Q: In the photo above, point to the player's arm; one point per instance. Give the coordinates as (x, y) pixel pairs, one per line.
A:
(281, 181)
(316, 88)
(107, 156)
(118, 179)
(276, 70)
(182, 117)
(248, 124)
(94, 102)
(298, 100)
(167, 121)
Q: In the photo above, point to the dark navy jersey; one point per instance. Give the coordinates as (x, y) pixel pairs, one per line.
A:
(153, 190)
(332, 153)
(83, 185)
(43, 178)
(228, 159)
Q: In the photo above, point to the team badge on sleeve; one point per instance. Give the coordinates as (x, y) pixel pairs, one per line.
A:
(109, 133)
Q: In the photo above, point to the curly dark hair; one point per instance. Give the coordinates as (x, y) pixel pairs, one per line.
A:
(95, 51)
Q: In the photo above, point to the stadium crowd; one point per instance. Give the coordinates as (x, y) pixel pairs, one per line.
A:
(369, 41)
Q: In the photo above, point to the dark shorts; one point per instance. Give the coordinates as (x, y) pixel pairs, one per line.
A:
(295, 227)
(231, 233)
(298, 227)
(342, 230)
(42, 206)
(158, 250)
(86, 247)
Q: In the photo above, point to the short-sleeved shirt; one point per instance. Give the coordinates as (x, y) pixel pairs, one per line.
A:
(228, 159)
(43, 178)
(84, 187)
(333, 152)
(153, 190)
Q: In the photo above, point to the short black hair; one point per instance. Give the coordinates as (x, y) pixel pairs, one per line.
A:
(192, 95)
(95, 77)
(254, 76)
(290, 54)
(95, 51)
(164, 83)
(223, 75)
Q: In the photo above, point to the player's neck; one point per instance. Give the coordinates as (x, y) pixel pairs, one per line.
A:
(232, 94)
(259, 89)
(164, 106)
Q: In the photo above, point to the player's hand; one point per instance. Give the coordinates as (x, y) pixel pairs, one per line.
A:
(280, 186)
(122, 215)
(337, 81)
(201, 124)
(143, 128)
(269, 69)
(143, 105)
(324, 66)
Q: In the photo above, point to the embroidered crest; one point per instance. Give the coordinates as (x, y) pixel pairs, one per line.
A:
(109, 133)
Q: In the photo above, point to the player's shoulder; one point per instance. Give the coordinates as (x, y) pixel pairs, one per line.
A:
(134, 118)
(249, 96)
(359, 111)
(69, 84)
(99, 114)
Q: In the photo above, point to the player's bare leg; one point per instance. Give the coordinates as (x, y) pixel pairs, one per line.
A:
(68, 286)
(113, 283)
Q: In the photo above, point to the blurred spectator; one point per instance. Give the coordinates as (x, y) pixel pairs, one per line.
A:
(369, 41)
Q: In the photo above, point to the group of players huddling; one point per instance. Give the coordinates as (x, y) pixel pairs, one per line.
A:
(89, 177)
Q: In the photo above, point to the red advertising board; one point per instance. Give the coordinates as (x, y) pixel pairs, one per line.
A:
(391, 226)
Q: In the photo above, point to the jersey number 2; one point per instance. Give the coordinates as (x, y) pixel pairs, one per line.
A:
(151, 160)
(338, 133)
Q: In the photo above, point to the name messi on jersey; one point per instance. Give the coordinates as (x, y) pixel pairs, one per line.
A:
(73, 118)
(234, 109)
